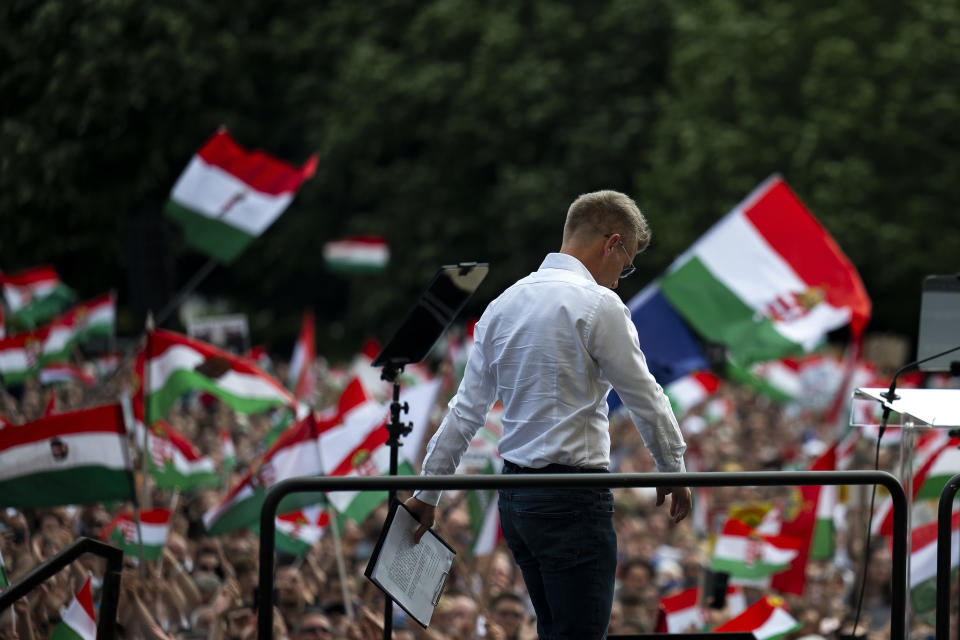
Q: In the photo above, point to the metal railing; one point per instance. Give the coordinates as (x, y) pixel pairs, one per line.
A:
(109, 596)
(280, 490)
(944, 543)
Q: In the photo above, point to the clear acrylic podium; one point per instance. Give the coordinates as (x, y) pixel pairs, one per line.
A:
(911, 410)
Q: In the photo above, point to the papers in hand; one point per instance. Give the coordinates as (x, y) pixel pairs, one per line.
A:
(413, 575)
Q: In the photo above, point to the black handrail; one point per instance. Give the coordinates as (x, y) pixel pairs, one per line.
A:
(278, 491)
(109, 596)
(944, 542)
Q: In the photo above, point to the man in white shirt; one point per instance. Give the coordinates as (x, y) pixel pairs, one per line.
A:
(549, 348)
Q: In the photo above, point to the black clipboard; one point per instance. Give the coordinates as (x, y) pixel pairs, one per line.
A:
(423, 567)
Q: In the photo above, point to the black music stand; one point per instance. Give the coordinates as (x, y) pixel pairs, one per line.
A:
(436, 309)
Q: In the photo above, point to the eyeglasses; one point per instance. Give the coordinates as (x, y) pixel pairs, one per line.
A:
(626, 270)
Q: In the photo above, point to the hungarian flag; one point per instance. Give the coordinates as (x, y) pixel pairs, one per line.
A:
(779, 380)
(176, 364)
(923, 562)
(767, 280)
(303, 377)
(35, 295)
(19, 357)
(227, 196)
(808, 516)
(297, 532)
(77, 457)
(743, 553)
(484, 517)
(96, 318)
(945, 465)
(294, 454)
(173, 461)
(767, 619)
(122, 533)
(680, 612)
(690, 390)
(358, 445)
(357, 254)
(79, 622)
(65, 372)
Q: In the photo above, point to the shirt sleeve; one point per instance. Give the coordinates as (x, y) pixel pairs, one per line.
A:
(612, 340)
(467, 412)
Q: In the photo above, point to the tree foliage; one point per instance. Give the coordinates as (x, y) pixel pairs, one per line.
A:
(461, 130)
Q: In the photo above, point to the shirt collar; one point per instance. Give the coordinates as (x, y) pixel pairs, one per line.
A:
(566, 262)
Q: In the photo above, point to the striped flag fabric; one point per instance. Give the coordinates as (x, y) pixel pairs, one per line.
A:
(173, 461)
(367, 253)
(945, 465)
(228, 452)
(295, 453)
(681, 612)
(923, 562)
(767, 280)
(35, 295)
(358, 445)
(767, 619)
(78, 457)
(122, 532)
(19, 357)
(175, 364)
(227, 196)
(78, 622)
(297, 532)
(303, 377)
(66, 372)
(95, 318)
(741, 552)
(690, 390)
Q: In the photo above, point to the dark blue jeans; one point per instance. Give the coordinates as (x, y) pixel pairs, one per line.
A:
(565, 544)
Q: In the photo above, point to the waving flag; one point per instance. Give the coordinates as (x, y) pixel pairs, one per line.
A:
(767, 280)
(79, 621)
(77, 457)
(227, 196)
(303, 377)
(923, 562)
(358, 254)
(59, 373)
(35, 295)
(741, 552)
(690, 390)
(174, 462)
(681, 612)
(96, 318)
(122, 533)
(19, 357)
(178, 364)
(767, 619)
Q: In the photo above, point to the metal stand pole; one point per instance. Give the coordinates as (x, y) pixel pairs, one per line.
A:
(396, 429)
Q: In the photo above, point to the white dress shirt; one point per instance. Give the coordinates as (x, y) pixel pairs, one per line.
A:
(549, 348)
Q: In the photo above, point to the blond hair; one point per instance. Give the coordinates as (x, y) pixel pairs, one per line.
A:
(607, 212)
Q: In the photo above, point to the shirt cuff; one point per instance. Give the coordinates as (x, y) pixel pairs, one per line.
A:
(430, 496)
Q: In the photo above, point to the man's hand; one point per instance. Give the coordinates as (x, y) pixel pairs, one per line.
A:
(426, 514)
(680, 501)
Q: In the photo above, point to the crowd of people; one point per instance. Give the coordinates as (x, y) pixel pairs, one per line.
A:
(206, 587)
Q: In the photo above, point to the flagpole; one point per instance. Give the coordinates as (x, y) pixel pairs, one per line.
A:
(126, 416)
(144, 391)
(341, 567)
(187, 289)
(173, 507)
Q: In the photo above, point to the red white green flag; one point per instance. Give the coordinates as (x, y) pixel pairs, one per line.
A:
(227, 196)
(690, 390)
(923, 562)
(743, 553)
(95, 318)
(357, 254)
(79, 622)
(173, 461)
(77, 457)
(303, 376)
(297, 532)
(767, 280)
(294, 454)
(357, 446)
(19, 357)
(35, 295)
(122, 532)
(177, 364)
(66, 372)
(681, 612)
(767, 619)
